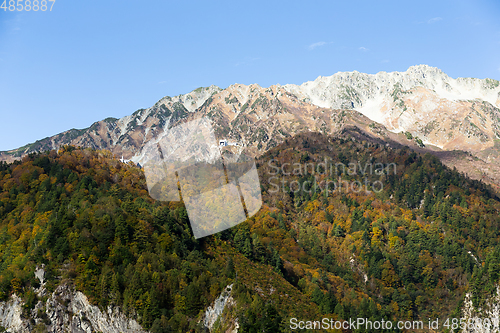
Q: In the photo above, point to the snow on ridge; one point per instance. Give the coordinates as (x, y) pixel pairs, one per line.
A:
(372, 109)
(144, 115)
(241, 91)
(194, 99)
(367, 93)
(123, 124)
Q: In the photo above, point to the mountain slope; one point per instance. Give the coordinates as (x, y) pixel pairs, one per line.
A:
(431, 108)
(403, 252)
(450, 113)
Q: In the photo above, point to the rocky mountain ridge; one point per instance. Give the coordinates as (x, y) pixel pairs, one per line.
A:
(64, 310)
(441, 112)
(482, 320)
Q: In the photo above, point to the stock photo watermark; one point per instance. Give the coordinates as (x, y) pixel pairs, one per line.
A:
(327, 169)
(481, 324)
(219, 183)
(220, 188)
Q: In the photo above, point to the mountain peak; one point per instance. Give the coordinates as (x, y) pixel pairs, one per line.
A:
(424, 67)
(423, 101)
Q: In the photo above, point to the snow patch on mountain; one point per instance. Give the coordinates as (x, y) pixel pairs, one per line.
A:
(368, 93)
(372, 108)
(195, 98)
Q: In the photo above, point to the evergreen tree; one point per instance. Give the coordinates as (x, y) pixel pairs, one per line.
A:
(230, 271)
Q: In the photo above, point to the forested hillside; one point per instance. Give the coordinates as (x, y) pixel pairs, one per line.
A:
(408, 251)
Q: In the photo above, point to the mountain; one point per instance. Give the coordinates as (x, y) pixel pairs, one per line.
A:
(84, 248)
(452, 114)
(124, 136)
(422, 107)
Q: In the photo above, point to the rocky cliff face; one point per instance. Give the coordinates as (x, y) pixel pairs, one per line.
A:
(64, 310)
(442, 112)
(213, 316)
(368, 92)
(484, 320)
(449, 113)
(68, 310)
(10, 315)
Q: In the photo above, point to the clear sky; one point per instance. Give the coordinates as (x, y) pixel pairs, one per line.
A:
(88, 60)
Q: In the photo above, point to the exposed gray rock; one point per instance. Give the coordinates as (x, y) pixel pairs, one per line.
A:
(40, 274)
(10, 315)
(483, 320)
(66, 310)
(214, 311)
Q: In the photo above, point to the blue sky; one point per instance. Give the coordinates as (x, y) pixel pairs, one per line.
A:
(88, 60)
